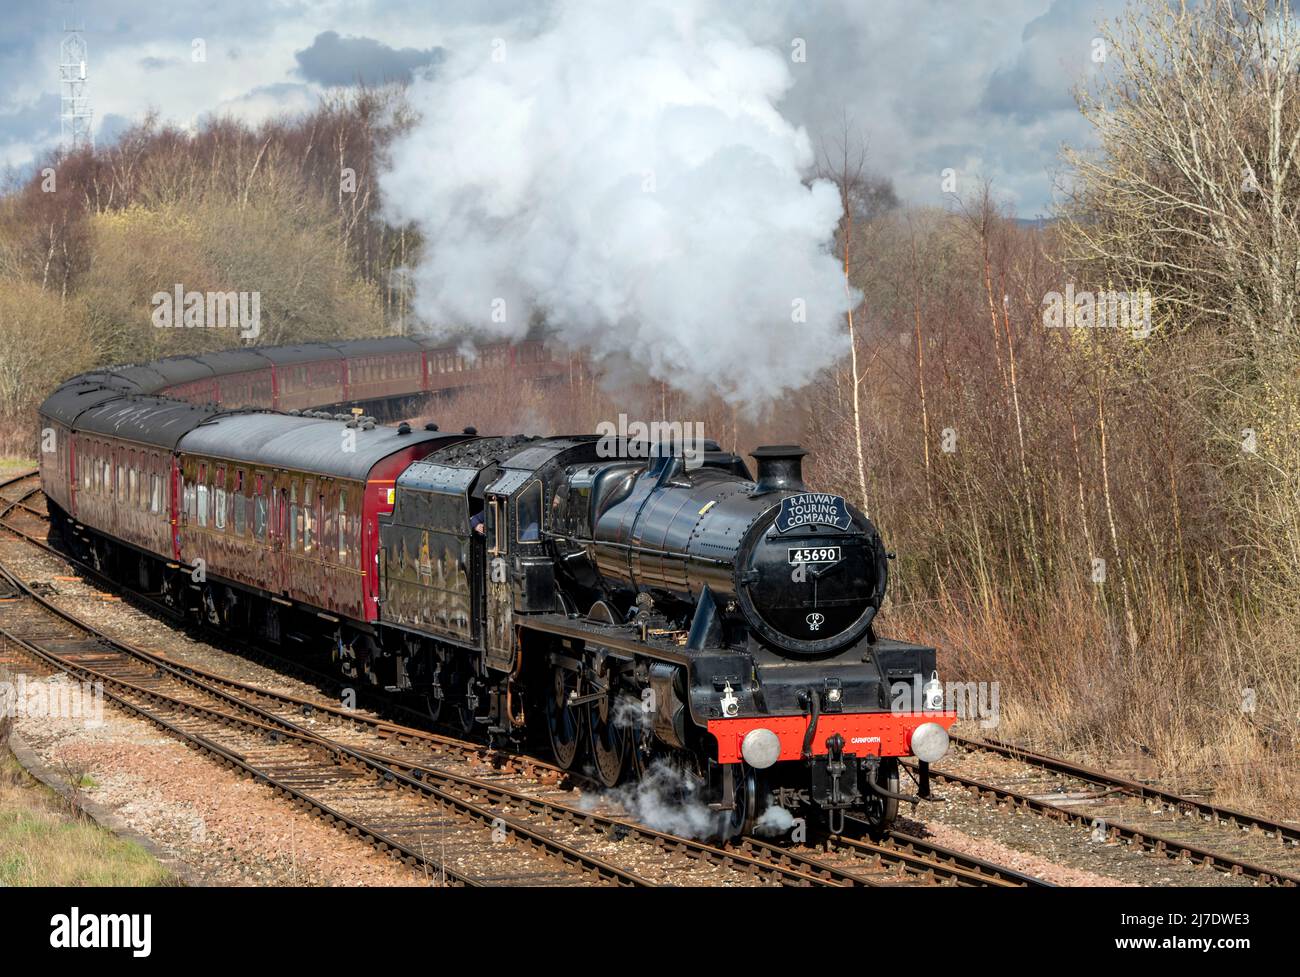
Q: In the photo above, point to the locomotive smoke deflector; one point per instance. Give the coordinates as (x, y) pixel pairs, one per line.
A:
(780, 466)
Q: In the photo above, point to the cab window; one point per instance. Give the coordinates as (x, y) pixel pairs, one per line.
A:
(528, 514)
(495, 527)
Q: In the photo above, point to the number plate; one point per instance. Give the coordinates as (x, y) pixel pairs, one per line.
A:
(814, 554)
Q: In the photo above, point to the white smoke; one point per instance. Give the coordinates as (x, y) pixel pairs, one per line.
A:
(664, 799)
(624, 171)
(668, 799)
(773, 822)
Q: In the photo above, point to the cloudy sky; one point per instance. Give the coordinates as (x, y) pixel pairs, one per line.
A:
(980, 87)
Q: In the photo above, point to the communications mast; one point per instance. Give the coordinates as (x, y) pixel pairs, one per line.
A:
(74, 114)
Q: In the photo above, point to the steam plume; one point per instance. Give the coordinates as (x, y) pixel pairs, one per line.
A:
(624, 171)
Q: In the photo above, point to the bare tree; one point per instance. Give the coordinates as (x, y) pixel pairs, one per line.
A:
(1196, 188)
(862, 197)
(1194, 194)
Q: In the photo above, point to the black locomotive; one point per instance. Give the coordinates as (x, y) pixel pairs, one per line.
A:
(670, 608)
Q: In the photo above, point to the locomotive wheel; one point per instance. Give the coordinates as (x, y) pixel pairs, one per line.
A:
(739, 821)
(881, 811)
(563, 721)
(609, 742)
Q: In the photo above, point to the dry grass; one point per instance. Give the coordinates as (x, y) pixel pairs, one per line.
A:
(43, 842)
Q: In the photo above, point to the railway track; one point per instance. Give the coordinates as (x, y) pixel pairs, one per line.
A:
(396, 813)
(315, 753)
(1125, 811)
(1153, 797)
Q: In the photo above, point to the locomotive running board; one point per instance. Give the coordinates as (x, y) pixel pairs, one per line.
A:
(621, 638)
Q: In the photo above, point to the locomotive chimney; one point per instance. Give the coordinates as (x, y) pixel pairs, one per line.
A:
(780, 466)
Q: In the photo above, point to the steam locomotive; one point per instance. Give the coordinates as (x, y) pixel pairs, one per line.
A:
(635, 606)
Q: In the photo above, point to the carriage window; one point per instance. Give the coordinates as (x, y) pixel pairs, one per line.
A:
(259, 516)
(219, 506)
(308, 518)
(528, 514)
(354, 538)
(343, 527)
(155, 493)
(201, 501)
(326, 517)
(295, 517)
(241, 505)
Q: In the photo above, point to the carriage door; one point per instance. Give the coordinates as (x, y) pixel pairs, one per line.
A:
(279, 525)
(499, 633)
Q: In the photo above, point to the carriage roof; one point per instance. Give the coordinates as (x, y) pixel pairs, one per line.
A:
(308, 444)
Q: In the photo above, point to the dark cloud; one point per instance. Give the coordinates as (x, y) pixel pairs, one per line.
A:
(34, 122)
(111, 127)
(335, 60)
(1011, 92)
(1055, 54)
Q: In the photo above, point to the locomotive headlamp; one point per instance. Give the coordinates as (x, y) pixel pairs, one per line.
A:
(929, 742)
(761, 748)
(730, 704)
(933, 692)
